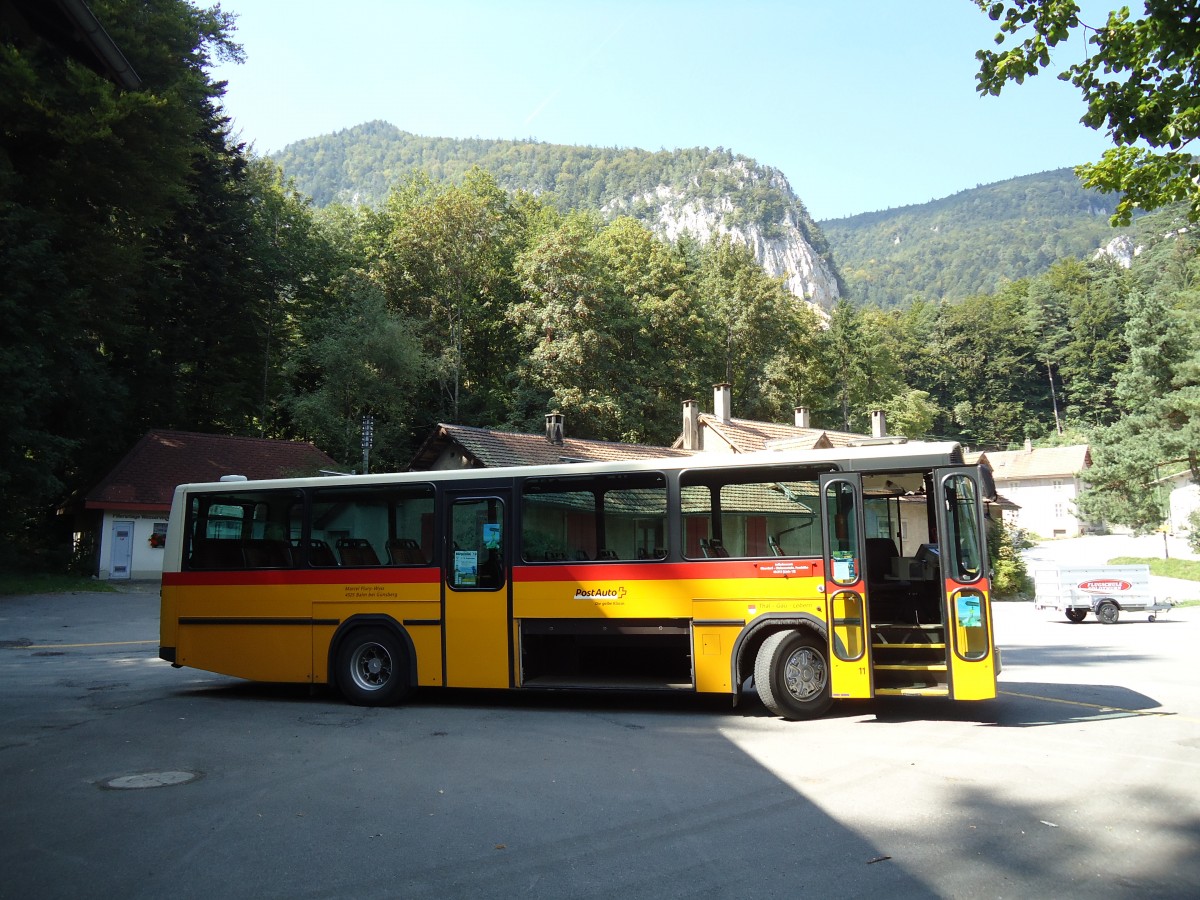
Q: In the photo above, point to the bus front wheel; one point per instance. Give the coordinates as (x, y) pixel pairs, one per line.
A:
(372, 667)
(791, 675)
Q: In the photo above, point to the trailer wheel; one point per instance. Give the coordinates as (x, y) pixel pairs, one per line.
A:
(1108, 612)
(1076, 615)
(1152, 617)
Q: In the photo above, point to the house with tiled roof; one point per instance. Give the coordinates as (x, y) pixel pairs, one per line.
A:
(133, 501)
(469, 447)
(464, 446)
(720, 432)
(1043, 483)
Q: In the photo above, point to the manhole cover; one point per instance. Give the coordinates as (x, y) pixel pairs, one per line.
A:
(148, 780)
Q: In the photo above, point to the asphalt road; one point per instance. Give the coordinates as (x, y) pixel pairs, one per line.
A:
(124, 777)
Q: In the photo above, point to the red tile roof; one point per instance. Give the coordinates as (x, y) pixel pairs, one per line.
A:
(1041, 462)
(488, 448)
(748, 435)
(149, 473)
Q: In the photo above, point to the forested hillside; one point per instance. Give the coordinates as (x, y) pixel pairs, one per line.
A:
(972, 242)
(703, 192)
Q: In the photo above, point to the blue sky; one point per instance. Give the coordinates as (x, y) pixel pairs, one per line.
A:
(862, 104)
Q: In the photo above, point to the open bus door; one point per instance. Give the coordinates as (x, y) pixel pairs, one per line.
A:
(963, 556)
(843, 547)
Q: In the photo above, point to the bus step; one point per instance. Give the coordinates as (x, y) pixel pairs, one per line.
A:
(911, 667)
(884, 646)
(938, 691)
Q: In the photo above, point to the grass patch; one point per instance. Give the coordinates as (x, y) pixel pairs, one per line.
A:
(44, 583)
(1168, 568)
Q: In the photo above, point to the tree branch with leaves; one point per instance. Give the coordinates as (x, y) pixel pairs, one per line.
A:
(1140, 79)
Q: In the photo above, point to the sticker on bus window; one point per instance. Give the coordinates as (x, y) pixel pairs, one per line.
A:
(845, 567)
(968, 611)
(466, 568)
(491, 535)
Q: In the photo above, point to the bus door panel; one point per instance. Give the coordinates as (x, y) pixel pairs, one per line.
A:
(965, 593)
(843, 547)
(477, 589)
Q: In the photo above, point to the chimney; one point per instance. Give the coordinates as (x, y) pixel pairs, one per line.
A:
(722, 401)
(554, 427)
(691, 425)
(802, 417)
(878, 424)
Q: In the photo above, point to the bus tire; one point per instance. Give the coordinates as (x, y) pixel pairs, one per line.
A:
(1108, 612)
(372, 667)
(1076, 615)
(791, 674)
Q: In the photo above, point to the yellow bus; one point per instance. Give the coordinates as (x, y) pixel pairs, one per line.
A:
(815, 575)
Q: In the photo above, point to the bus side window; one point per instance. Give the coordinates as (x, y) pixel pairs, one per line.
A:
(594, 518)
(243, 530)
(727, 513)
(371, 525)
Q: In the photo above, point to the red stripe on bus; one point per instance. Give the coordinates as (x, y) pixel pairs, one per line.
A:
(424, 575)
(660, 571)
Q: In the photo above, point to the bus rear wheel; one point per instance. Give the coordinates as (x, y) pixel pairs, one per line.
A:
(791, 675)
(372, 668)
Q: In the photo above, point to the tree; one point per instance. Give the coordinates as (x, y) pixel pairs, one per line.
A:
(1141, 81)
(111, 202)
(360, 357)
(751, 319)
(446, 260)
(582, 334)
(1160, 390)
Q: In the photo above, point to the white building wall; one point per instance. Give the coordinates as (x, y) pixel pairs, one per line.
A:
(1183, 501)
(147, 561)
(1047, 505)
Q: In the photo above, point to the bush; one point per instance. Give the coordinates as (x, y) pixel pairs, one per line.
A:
(1194, 530)
(1010, 578)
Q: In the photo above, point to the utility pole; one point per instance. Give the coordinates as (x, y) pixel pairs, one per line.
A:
(368, 439)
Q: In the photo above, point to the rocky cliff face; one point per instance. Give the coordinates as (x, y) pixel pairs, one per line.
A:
(779, 243)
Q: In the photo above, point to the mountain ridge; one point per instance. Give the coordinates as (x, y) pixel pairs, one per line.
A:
(701, 191)
(971, 242)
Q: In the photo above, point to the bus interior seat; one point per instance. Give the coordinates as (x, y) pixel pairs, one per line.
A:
(607, 554)
(357, 552)
(265, 553)
(405, 552)
(713, 547)
(880, 553)
(555, 555)
(319, 552)
(581, 555)
(216, 553)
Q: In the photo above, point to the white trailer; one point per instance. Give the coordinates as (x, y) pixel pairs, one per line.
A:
(1106, 591)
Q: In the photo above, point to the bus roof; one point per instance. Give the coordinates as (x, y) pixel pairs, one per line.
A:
(890, 456)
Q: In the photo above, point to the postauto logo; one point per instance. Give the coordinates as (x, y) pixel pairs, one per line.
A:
(605, 593)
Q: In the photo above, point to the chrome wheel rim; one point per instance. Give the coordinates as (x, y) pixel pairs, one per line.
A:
(371, 666)
(805, 674)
